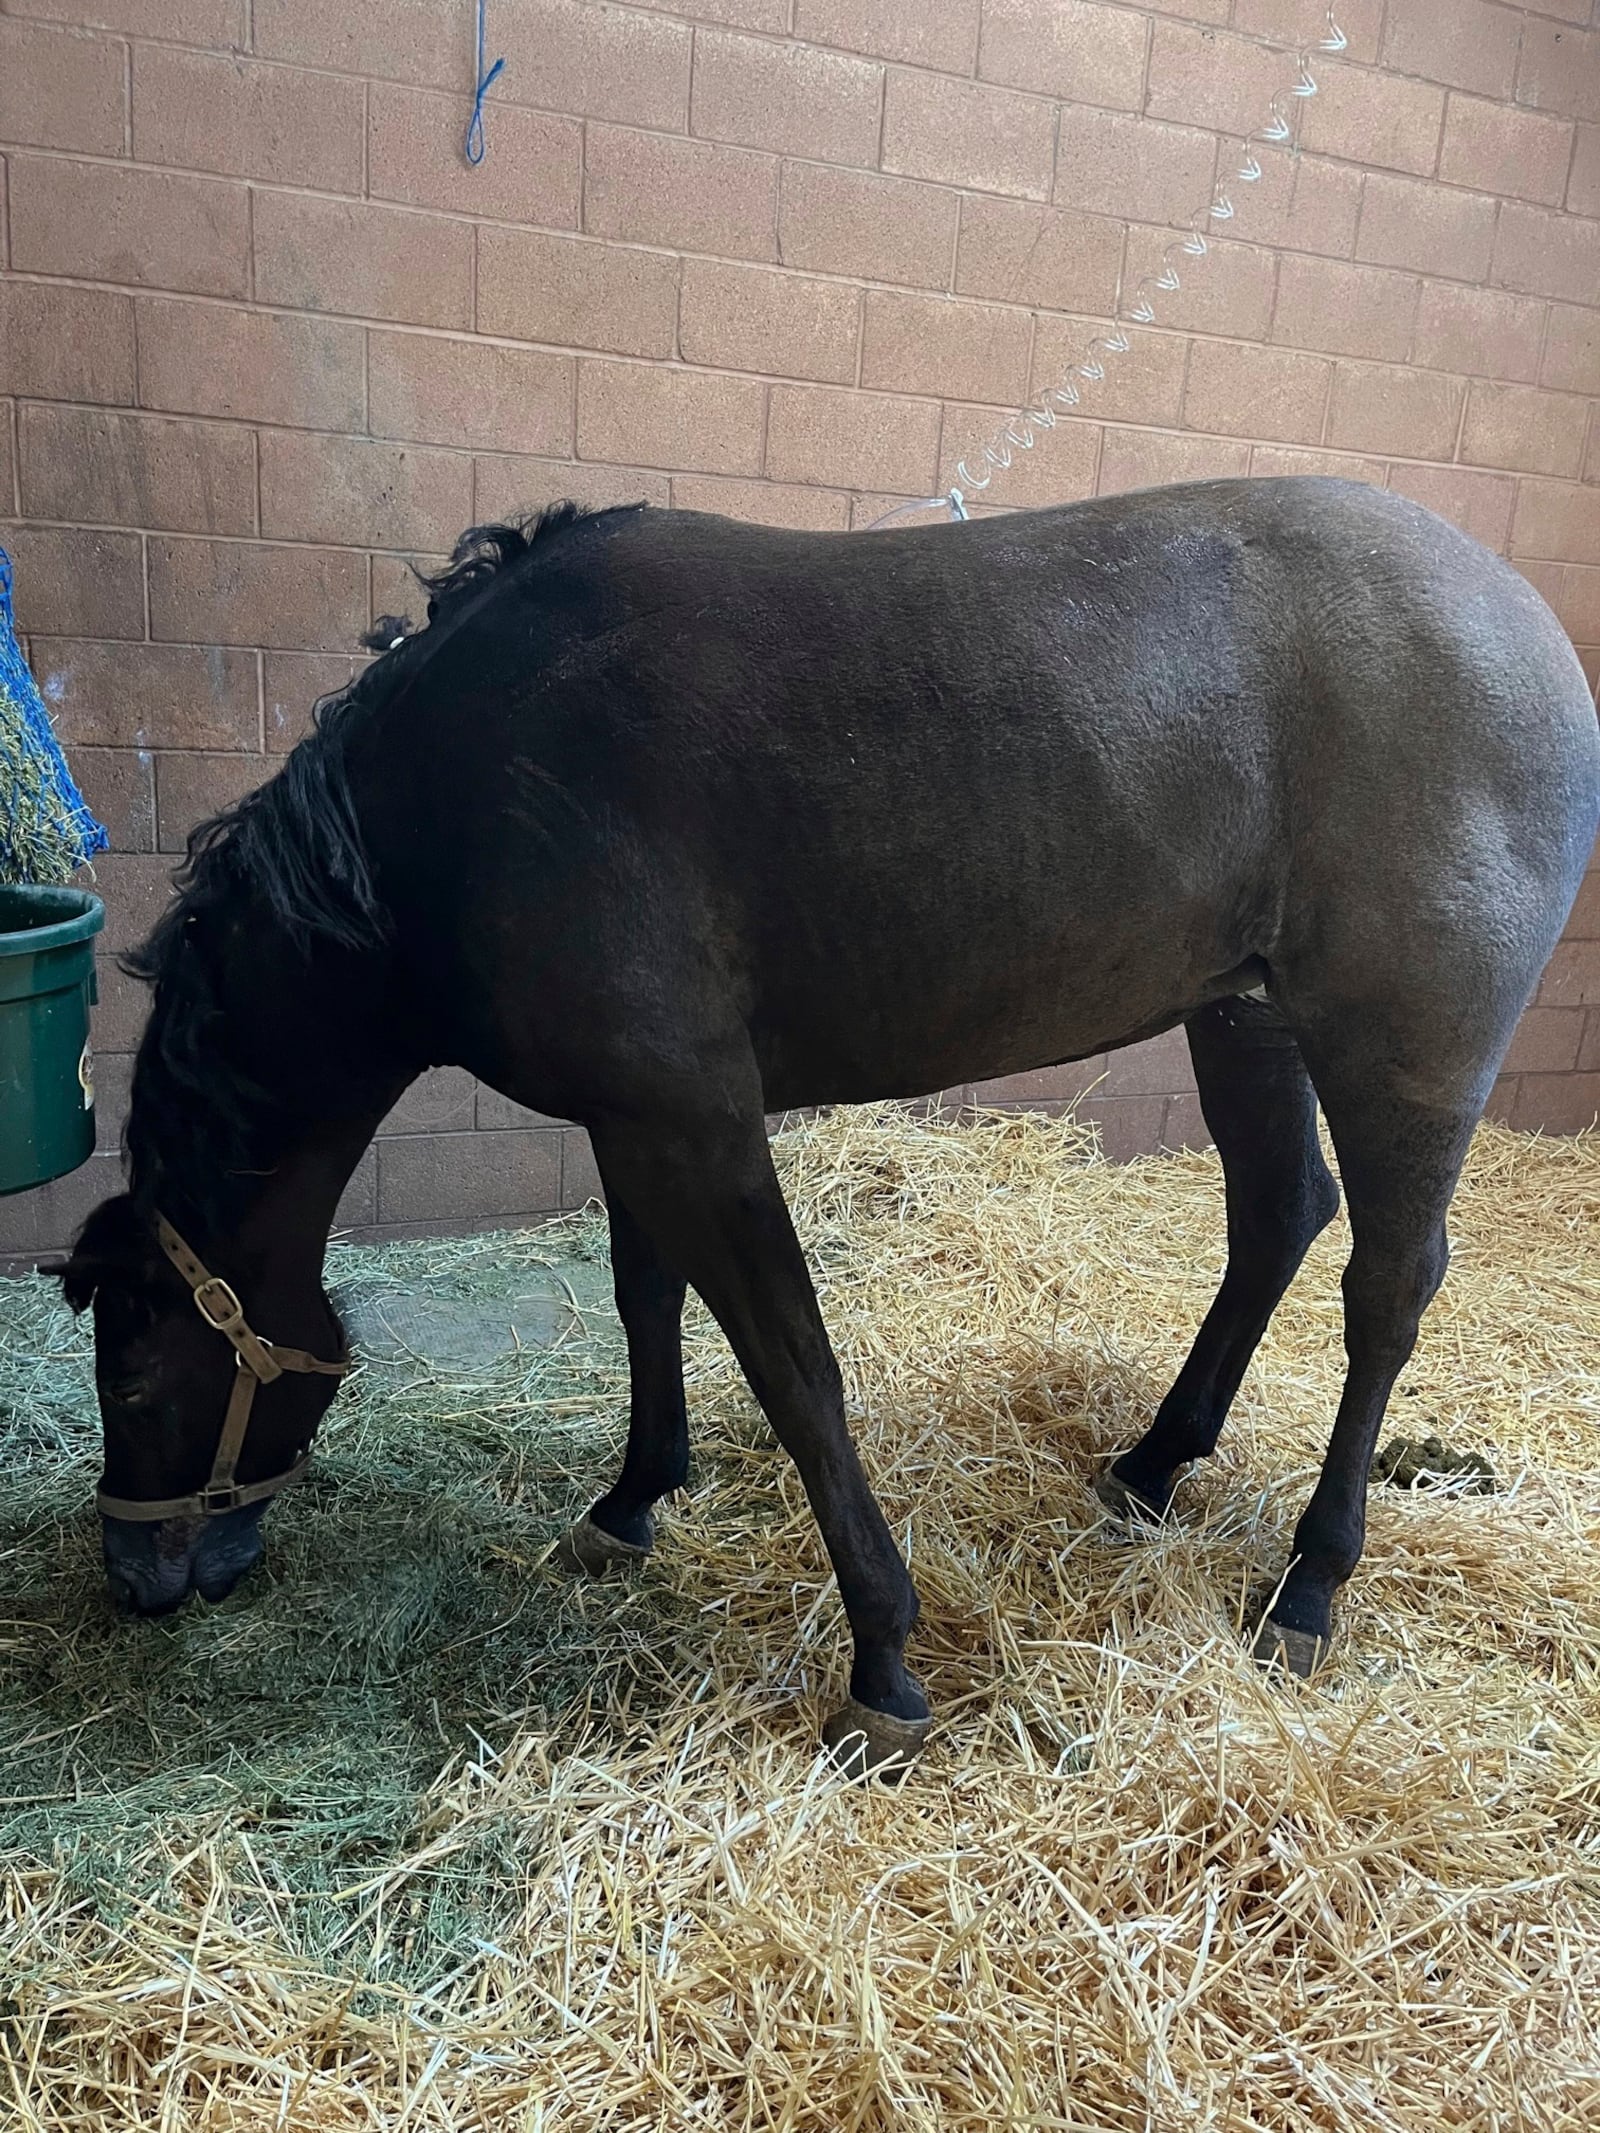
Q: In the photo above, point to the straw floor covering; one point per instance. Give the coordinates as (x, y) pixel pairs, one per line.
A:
(413, 1833)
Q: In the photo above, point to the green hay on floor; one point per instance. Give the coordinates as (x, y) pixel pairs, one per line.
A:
(306, 1714)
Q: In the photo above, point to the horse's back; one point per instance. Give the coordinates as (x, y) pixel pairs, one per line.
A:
(1218, 668)
(1306, 589)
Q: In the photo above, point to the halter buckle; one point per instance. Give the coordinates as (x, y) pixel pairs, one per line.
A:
(230, 1317)
(217, 1497)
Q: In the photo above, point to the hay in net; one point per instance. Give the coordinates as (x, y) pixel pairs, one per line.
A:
(413, 1833)
(46, 829)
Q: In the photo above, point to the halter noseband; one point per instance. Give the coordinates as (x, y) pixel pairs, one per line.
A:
(259, 1362)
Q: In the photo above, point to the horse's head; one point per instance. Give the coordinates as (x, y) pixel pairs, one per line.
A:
(203, 1418)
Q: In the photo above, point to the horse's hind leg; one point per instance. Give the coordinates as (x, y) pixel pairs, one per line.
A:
(1399, 1158)
(1262, 1114)
(619, 1529)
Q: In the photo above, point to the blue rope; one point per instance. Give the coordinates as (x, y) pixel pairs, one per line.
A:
(475, 143)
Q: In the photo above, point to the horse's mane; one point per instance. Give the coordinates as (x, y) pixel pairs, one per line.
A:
(290, 853)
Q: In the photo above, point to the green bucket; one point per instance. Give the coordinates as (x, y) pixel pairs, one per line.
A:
(46, 990)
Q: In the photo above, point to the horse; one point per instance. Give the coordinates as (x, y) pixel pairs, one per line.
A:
(664, 823)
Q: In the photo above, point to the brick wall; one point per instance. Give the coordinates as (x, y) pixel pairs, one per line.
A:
(265, 338)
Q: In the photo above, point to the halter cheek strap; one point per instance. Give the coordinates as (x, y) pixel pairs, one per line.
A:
(259, 1363)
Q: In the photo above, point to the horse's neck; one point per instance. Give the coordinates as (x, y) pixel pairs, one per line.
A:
(308, 1036)
(287, 1219)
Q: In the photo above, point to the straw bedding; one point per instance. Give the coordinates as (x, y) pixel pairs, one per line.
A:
(412, 1833)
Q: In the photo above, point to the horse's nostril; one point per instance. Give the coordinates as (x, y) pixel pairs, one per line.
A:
(216, 1581)
(144, 1577)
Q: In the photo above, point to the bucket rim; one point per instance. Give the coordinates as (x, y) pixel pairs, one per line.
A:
(65, 917)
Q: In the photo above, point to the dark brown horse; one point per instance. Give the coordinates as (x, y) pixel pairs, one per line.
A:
(664, 823)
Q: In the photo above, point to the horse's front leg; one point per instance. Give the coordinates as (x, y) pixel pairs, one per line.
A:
(619, 1529)
(704, 1190)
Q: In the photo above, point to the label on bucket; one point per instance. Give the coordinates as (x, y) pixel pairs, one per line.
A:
(86, 1077)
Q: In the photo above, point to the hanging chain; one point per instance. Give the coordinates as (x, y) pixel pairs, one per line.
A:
(975, 472)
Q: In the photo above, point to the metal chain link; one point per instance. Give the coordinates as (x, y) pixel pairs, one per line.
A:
(1022, 432)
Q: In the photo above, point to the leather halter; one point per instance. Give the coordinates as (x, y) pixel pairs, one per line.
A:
(259, 1362)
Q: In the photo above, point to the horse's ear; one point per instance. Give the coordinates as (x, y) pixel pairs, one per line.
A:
(113, 1239)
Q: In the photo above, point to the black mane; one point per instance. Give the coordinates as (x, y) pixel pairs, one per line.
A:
(480, 554)
(291, 853)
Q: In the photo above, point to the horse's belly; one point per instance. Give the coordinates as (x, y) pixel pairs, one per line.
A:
(960, 1011)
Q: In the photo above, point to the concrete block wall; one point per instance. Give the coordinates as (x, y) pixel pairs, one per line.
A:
(266, 338)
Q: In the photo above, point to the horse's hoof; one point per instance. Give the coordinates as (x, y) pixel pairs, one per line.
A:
(1122, 1501)
(1290, 1651)
(590, 1551)
(866, 1743)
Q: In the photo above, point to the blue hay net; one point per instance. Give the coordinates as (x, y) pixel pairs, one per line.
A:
(46, 830)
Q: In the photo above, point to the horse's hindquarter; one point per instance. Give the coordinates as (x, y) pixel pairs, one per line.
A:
(1447, 793)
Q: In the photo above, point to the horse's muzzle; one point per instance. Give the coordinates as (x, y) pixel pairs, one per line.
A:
(152, 1568)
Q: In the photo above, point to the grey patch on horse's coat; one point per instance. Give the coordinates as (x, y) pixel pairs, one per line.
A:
(392, 1325)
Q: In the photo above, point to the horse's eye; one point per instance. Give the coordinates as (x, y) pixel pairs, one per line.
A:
(128, 1392)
